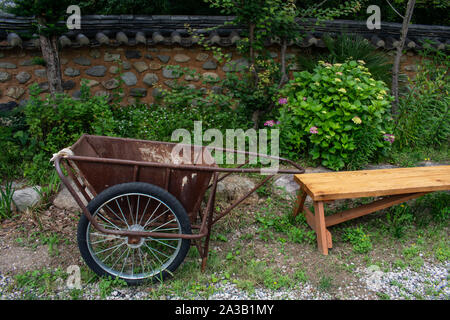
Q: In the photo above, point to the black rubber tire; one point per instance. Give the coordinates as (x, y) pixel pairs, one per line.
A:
(134, 187)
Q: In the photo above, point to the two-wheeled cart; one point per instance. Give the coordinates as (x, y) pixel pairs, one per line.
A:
(142, 206)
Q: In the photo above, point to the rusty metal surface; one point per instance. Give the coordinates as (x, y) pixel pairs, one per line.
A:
(187, 186)
(106, 161)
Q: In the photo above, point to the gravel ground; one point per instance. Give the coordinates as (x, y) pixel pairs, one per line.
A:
(429, 283)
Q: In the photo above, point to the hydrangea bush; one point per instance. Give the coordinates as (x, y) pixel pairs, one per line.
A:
(338, 114)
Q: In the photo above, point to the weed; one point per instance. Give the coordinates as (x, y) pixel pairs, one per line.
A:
(107, 284)
(52, 241)
(358, 238)
(442, 251)
(76, 294)
(325, 283)
(6, 201)
(399, 218)
(274, 280)
(383, 296)
(38, 282)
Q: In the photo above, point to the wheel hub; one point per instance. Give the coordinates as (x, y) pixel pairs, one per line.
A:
(135, 241)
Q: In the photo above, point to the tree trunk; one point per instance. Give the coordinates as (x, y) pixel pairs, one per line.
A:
(396, 67)
(49, 48)
(284, 77)
(251, 37)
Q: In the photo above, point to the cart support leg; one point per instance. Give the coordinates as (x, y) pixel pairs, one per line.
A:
(210, 213)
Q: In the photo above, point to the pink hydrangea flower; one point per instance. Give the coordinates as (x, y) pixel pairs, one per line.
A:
(389, 137)
(282, 101)
(313, 130)
(271, 123)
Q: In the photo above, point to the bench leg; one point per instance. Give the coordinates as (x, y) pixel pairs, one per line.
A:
(301, 197)
(320, 228)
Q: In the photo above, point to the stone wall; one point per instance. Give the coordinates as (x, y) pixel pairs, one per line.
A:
(144, 69)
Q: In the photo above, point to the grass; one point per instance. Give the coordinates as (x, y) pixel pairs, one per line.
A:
(6, 201)
(276, 252)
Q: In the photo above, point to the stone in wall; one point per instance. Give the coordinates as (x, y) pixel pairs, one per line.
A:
(163, 58)
(133, 54)
(209, 65)
(202, 57)
(23, 77)
(150, 79)
(15, 92)
(89, 82)
(82, 61)
(140, 66)
(114, 69)
(129, 78)
(40, 73)
(7, 65)
(94, 53)
(210, 77)
(68, 85)
(154, 66)
(96, 71)
(170, 74)
(181, 58)
(4, 76)
(109, 57)
(111, 84)
(138, 92)
(71, 72)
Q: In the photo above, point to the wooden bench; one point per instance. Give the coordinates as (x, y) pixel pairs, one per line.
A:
(394, 185)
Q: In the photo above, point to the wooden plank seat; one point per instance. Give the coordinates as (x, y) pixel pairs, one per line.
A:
(393, 185)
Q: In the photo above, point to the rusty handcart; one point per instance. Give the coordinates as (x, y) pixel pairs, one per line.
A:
(142, 207)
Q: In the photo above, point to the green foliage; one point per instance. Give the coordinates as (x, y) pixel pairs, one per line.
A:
(47, 12)
(424, 116)
(326, 111)
(346, 47)
(46, 125)
(177, 108)
(107, 284)
(254, 93)
(285, 224)
(56, 123)
(6, 201)
(399, 218)
(39, 61)
(435, 205)
(358, 238)
(38, 282)
(15, 138)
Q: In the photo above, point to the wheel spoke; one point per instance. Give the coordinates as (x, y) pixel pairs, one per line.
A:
(122, 213)
(108, 248)
(145, 209)
(153, 239)
(131, 211)
(157, 217)
(162, 225)
(137, 208)
(117, 215)
(152, 214)
(98, 213)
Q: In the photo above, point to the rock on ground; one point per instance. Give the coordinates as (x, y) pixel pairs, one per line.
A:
(26, 197)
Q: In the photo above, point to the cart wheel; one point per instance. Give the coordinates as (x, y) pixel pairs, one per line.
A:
(134, 206)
